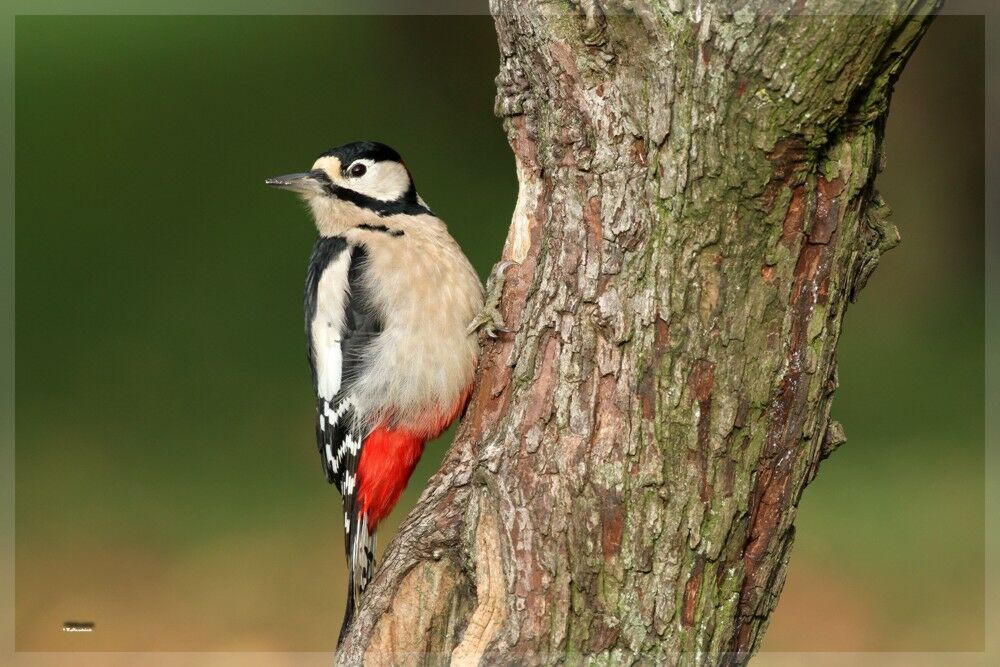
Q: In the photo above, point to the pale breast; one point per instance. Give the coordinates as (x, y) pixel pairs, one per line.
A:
(424, 359)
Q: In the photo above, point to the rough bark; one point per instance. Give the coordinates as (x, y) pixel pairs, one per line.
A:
(696, 210)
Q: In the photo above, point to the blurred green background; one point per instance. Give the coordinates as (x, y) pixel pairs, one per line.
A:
(167, 484)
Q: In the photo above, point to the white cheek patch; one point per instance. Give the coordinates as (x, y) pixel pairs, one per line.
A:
(385, 181)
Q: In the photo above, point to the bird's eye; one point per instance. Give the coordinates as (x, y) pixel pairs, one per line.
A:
(358, 170)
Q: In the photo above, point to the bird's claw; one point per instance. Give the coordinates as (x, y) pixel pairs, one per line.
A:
(489, 320)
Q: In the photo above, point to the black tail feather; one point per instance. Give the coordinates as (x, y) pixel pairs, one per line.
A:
(360, 546)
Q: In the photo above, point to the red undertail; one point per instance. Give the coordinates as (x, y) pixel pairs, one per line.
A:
(388, 458)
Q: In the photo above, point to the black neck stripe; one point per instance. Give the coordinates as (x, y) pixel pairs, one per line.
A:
(381, 228)
(408, 204)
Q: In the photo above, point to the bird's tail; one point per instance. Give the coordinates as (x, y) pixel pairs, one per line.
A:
(360, 544)
(348, 615)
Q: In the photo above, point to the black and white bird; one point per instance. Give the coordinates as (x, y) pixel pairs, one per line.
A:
(389, 300)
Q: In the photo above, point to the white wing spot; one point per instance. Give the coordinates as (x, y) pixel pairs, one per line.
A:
(331, 301)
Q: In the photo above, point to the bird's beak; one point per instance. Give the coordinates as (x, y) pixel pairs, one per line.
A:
(305, 183)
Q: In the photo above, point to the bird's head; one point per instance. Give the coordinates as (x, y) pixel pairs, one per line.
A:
(350, 184)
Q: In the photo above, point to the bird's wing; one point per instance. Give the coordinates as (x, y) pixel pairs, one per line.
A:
(342, 322)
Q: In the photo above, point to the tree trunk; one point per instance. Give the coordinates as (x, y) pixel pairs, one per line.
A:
(696, 210)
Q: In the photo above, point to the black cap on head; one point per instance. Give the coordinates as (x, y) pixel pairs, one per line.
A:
(356, 150)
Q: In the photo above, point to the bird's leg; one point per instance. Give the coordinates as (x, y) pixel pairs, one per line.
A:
(489, 320)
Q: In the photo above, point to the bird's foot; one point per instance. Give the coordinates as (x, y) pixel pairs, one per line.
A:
(489, 320)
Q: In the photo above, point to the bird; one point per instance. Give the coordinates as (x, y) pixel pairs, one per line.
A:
(392, 308)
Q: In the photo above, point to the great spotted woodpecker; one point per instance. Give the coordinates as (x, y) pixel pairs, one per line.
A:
(389, 299)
